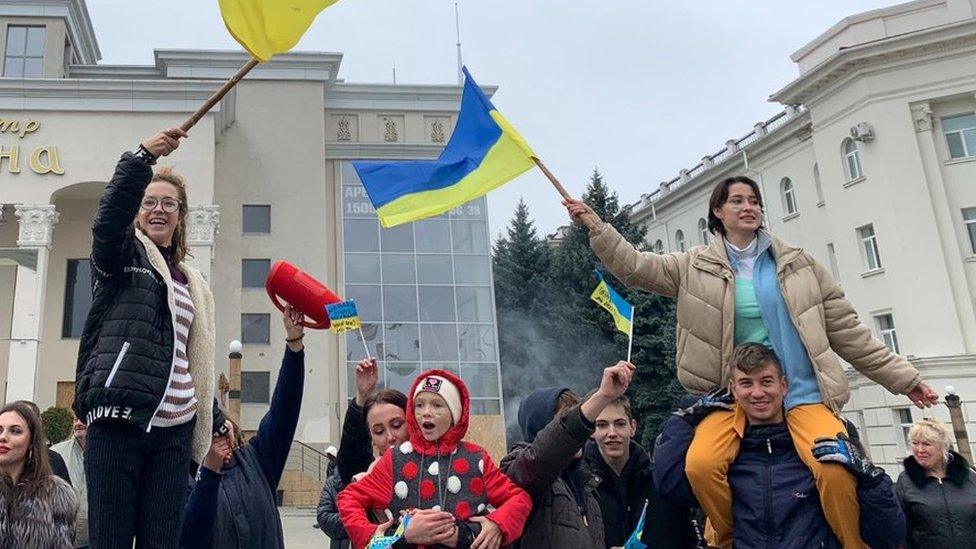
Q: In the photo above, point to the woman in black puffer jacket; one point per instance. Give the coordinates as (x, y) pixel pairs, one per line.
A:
(937, 491)
(146, 355)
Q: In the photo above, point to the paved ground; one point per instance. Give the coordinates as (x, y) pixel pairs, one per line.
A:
(299, 533)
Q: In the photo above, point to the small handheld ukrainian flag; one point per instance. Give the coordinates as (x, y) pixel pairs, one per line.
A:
(382, 542)
(634, 541)
(484, 152)
(618, 307)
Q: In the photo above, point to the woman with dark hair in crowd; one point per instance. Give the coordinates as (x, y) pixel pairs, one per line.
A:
(937, 491)
(146, 357)
(37, 509)
(375, 420)
(748, 285)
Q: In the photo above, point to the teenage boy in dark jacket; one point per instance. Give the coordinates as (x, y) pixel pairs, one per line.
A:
(624, 469)
(548, 463)
(775, 502)
(245, 500)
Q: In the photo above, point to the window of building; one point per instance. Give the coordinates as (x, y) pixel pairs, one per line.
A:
(832, 258)
(77, 297)
(256, 328)
(789, 196)
(852, 160)
(658, 246)
(255, 387)
(969, 216)
(818, 187)
(257, 219)
(960, 135)
(869, 247)
(703, 231)
(886, 329)
(24, 57)
(254, 272)
(903, 419)
(679, 240)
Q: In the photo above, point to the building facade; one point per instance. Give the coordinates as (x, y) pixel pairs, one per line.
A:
(269, 179)
(870, 167)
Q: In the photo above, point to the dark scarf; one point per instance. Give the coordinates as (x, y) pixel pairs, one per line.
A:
(174, 271)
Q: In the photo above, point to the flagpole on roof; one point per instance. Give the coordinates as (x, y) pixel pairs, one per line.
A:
(457, 30)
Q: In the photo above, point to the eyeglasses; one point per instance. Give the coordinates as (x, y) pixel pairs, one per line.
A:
(170, 205)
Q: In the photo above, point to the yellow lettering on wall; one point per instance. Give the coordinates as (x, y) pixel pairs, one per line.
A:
(53, 165)
(13, 158)
(30, 126)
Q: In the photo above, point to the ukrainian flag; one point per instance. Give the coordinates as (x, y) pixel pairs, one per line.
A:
(268, 27)
(609, 299)
(484, 153)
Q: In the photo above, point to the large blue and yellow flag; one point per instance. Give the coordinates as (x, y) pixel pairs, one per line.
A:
(609, 299)
(268, 27)
(484, 153)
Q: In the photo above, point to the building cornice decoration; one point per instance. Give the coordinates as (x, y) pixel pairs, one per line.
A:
(61, 94)
(202, 225)
(36, 224)
(381, 151)
(345, 96)
(222, 64)
(914, 46)
(922, 117)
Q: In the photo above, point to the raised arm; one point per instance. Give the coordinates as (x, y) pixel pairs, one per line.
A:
(355, 450)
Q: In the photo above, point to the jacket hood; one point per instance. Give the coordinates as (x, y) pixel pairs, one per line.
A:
(447, 443)
(537, 410)
(957, 470)
(715, 253)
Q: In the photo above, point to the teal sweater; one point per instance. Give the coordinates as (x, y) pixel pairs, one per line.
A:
(772, 326)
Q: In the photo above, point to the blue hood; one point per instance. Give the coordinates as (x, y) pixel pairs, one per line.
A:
(537, 410)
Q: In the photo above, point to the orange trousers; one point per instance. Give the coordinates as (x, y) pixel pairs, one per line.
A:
(716, 445)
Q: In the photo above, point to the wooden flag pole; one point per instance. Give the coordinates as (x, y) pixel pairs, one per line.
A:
(555, 183)
(218, 95)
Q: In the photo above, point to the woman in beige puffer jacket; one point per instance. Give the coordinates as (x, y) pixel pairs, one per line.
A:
(705, 282)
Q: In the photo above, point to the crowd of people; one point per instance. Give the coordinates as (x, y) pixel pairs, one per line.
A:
(756, 455)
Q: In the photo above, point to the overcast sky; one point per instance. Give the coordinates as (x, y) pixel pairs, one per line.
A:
(636, 88)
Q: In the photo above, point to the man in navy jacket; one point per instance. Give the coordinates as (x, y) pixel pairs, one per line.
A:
(775, 502)
(237, 507)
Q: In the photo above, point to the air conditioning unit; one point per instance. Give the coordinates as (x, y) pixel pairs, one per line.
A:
(862, 132)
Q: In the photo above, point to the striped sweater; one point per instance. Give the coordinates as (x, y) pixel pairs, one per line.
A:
(180, 403)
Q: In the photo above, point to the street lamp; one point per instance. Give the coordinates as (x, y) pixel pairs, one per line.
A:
(235, 358)
(954, 403)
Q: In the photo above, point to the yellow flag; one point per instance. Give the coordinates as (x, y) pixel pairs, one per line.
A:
(268, 27)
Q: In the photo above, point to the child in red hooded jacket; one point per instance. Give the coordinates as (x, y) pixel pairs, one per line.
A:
(451, 488)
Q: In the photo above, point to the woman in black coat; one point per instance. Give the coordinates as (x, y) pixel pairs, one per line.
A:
(937, 491)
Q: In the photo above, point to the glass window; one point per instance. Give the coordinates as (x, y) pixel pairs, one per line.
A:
(960, 134)
(789, 196)
(77, 297)
(433, 235)
(832, 257)
(903, 418)
(254, 272)
(400, 342)
(470, 237)
(472, 269)
(474, 304)
(659, 246)
(400, 375)
(354, 343)
(256, 387)
(367, 300)
(256, 219)
(437, 303)
(438, 342)
(485, 406)
(434, 269)
(355, 202)
(969, 216)
(886, 328)
(400, 303)
(852, 160)
(476, 342)
(869, 247)
(24, 57)
(703, 231)
(397, 239)
(481, 379)
(361, 235)
(362, 268)
(399, 269)
(256, 328)
(679, 240)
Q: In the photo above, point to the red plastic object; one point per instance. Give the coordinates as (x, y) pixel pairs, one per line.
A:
(295, 286)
